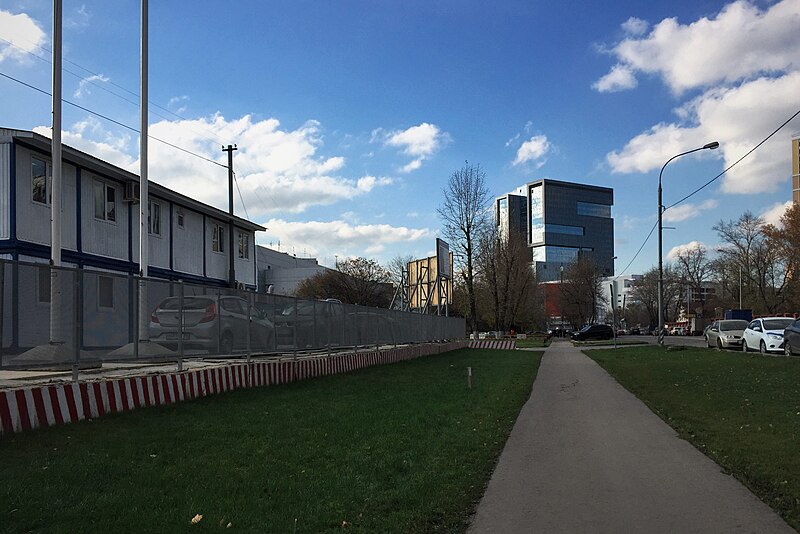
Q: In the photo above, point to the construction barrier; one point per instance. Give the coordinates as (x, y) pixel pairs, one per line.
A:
(502, 344)
(33, 407)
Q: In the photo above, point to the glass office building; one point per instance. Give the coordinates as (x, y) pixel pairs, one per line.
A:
(560, 220)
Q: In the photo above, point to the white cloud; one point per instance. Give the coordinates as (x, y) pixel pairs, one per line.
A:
(692, 245)
(533, 149)
(83, 85)
(739, 42)
(341, 237)
(686, 211)
(420, 142)
(24, 35)
(277, 170)
(619, 78)
(178, 103)
(739, 118)
(773, 214)
(89, 136)
(635, 27)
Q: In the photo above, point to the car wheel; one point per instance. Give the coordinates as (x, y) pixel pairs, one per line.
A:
(787, 349)
(226, 343)
(719, 343)
(744, 345)
(763, 347)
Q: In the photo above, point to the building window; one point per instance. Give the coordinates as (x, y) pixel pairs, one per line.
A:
(244, 245)
(218, 238)
(153, 218)
(502, 212)
(43, 285)
(105, 201)
(105, 292)
(563, 229)
(180, 217)
(41, 181)
(591, 209)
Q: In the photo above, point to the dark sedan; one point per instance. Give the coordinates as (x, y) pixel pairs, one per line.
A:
(593, 331)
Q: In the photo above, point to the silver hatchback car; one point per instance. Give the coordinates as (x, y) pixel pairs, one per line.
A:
(216, 324)
(726, 334)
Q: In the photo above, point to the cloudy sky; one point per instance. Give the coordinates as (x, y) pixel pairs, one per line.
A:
(349, 116)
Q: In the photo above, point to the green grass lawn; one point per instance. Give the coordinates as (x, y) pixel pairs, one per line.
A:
(604, 342)
(396, 448)
(742, 411)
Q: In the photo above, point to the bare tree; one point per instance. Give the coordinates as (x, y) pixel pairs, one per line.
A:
(693, 268)
(504, 269)
(355, 281)
(746, 248)
(581, 291)
(464, 218)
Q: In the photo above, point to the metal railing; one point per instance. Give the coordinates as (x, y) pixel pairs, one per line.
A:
(67, 317)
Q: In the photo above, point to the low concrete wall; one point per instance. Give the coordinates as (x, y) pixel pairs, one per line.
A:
(29, 408)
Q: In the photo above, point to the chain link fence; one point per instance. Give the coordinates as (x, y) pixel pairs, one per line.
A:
(63, 317)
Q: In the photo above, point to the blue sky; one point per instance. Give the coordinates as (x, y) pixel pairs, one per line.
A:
(350, 116)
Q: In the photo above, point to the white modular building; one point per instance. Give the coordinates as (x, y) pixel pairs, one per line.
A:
(188, 240)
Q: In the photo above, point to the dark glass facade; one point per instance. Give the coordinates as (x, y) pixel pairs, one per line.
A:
(566, 220)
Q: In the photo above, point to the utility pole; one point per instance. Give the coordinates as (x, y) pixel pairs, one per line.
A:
(231, 269)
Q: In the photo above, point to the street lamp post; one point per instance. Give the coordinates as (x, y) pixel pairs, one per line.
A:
(710, 146)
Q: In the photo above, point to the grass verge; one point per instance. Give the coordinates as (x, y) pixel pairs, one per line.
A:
(533, 343)
(742, 411)
(397, 448)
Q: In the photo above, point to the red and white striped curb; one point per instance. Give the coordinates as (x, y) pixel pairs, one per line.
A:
(502, 344)
(40, 406)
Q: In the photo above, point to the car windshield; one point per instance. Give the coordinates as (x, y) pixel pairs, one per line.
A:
(585, 328)
(777, 324)
(732, 325)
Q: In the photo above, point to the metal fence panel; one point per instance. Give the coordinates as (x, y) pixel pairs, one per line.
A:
(104, 316)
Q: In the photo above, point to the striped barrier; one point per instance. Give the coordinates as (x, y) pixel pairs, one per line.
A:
(502, 344)
(28, 408)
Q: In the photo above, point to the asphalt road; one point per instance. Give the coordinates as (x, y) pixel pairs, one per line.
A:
(585, 455)
(686, 341)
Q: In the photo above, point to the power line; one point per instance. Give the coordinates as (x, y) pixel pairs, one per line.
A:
(103, 88)
(646, 239)
(109, 119)
(236, 181)
(732, 165)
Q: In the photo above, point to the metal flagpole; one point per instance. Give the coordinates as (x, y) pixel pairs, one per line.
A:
(56, 335)
(143, 183)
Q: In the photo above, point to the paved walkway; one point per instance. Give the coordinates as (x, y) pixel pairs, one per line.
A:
(587, 456)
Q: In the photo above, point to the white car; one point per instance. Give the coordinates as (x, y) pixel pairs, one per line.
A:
(765, 334)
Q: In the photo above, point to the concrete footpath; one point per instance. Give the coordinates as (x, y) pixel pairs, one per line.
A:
(585, 455)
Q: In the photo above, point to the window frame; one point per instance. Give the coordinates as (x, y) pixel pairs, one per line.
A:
(246, 254)
(48, 182)
(150, 218)
(180, 218)
(106, 187)
(100, 306)
(218, 238)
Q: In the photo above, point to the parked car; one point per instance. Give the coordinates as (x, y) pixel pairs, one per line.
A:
(725, 334)
(212, 323)
(791, 339)
(635, 331)
(593, 331)
(766, 334)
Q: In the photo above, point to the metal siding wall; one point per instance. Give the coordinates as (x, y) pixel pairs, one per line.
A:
(5, 190)
(103, 238)
(159, 244)
(187, 242)
(244, 268)
(216, 262)
(33, 219)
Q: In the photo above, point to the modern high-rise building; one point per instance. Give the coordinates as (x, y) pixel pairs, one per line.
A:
(560, 221)
(796, 169)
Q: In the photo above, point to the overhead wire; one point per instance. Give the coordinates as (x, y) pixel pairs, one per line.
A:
(109, 119)
(217, 139)
(646, 239)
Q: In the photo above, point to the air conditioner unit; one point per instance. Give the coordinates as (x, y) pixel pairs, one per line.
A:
(131, 192)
